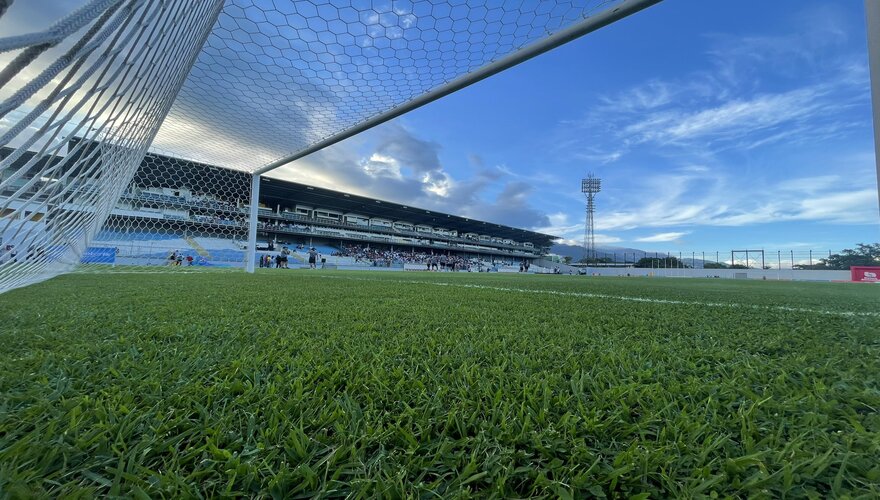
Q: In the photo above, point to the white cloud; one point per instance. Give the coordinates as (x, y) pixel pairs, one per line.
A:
(601, 239)
(843, 207)
(810, 184)
(573, 233)
(789, 244)
(695, 169)
(663, 237)
(650, 95)
(379, 165)
(726, 142)
(558, 219)
(560, 225)
(570, 242)
(716, 198)
(754, 91)
(735, 118)
(807, 113)
(605, 239)
(439, 184)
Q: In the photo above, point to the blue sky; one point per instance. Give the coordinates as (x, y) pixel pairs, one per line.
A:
(714, 125)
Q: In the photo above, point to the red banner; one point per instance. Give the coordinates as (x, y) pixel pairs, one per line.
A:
(865, 274)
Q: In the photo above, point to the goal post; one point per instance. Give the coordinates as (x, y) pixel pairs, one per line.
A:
(872, 19)
(254, 209)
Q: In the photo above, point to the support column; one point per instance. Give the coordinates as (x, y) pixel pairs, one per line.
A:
(872, 17)
(252, 224)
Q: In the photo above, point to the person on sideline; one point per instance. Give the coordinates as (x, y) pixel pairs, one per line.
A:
(313, 258)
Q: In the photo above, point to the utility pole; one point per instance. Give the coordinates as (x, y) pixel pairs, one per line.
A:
(589, 187)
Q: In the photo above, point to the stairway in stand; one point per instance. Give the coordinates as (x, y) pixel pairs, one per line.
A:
(198, 248)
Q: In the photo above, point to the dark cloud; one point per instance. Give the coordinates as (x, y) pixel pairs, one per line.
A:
(411, 152)
(476, 160)
(406, 169)
(512, 207)
(494, 173)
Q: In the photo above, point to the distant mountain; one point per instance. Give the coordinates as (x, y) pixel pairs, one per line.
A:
(577, 252)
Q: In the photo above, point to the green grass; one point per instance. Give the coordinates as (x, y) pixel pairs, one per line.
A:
(310, 383)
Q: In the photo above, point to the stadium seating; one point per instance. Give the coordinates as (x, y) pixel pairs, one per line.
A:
(147, 248)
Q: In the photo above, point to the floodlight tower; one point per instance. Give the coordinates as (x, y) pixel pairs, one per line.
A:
(590, 186)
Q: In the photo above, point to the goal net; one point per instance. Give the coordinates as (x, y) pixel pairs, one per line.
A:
(129, 129)
(105, 74)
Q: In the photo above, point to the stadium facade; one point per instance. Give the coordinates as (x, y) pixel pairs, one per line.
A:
(198, 213)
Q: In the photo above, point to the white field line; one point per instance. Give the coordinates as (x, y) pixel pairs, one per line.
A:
(626, 298)
(168, 270)
(113, 273)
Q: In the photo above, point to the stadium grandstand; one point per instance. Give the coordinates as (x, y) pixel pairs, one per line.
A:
(162, 218)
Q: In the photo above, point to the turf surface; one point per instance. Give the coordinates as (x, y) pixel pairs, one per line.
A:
(312, 383)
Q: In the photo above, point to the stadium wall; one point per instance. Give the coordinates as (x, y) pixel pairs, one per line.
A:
(549, 264)
(755, 274)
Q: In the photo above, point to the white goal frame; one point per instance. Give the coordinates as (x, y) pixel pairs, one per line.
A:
(577, 30)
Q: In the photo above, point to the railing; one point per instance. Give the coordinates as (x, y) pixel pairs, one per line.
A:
(388, 240)
(176, 201)
(391, 230)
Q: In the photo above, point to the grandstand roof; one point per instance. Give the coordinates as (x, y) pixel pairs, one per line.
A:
(276, 191)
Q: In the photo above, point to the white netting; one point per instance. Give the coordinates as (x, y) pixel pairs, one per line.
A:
(237, 84)
(107, 73)
(175, 214)
(277, 76)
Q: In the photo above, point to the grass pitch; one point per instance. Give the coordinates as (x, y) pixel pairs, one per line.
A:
(312, 383)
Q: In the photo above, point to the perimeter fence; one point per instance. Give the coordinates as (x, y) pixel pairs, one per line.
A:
(806, 259)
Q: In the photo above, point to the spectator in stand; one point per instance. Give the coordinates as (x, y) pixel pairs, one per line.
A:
(386, 258)
(10, 250)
